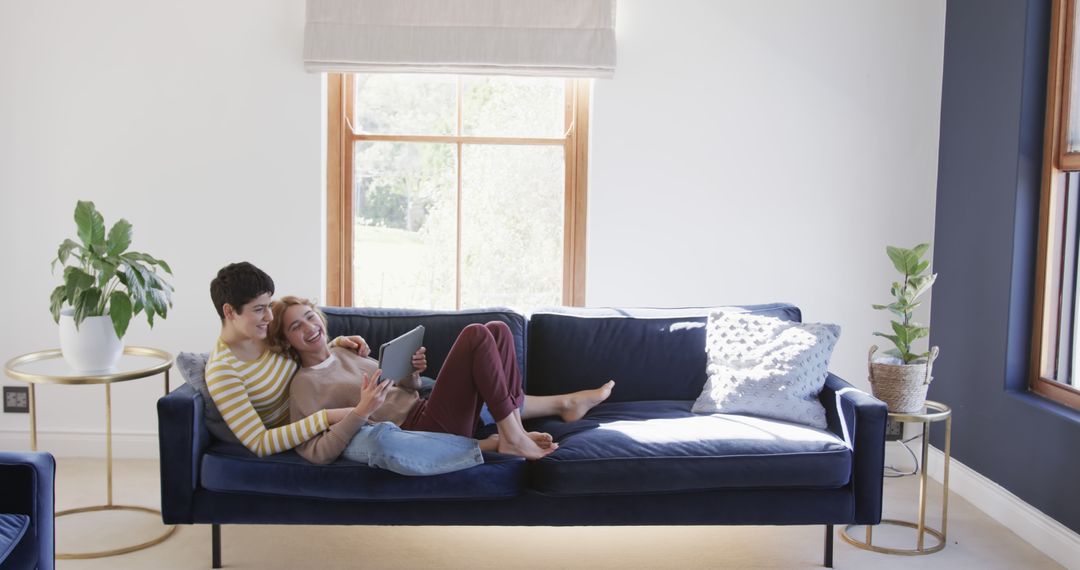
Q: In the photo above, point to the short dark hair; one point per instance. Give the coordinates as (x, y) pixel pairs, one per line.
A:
(237, 284)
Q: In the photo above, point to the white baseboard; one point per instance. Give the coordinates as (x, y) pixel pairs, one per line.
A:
(130, 445)
(1044, 533)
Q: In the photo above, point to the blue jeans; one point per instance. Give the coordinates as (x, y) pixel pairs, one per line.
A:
(387, 446)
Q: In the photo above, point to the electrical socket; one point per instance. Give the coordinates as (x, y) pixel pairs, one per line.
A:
(16, 399)
(894, 430)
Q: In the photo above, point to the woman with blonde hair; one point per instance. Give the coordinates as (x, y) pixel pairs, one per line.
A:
(481, 368)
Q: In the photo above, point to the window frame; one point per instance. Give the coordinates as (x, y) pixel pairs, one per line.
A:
(1057, 163)
(339, 182)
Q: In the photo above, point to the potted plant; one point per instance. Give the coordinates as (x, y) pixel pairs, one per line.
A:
(104, 286)
(901, 376)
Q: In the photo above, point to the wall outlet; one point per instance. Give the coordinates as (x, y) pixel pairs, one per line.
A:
(894, 430)
(16, 399)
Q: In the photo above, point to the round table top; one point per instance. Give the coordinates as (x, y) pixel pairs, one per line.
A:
(932, 412)
(49, 367)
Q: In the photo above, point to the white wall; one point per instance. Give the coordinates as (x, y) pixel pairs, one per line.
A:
(745, 152)
(196, 122)
(750, 152)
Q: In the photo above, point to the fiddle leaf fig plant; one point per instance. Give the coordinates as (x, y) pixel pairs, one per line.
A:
(102, 277)
(915, 283)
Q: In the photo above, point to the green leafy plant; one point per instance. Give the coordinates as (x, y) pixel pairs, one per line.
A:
(104, 278)
(916, 282)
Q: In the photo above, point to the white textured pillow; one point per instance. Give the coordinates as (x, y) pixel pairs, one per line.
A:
(764, 366)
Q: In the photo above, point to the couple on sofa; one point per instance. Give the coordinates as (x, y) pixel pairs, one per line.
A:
(280, 385)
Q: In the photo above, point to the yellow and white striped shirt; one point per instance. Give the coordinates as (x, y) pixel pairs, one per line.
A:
(253, 398)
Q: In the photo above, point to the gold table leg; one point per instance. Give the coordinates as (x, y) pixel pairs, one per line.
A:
(921, 528)
(945, 479)
(108, 443)
(922, 486)
(845, 534)
(108, 506)
(122, 550)
(33, 419)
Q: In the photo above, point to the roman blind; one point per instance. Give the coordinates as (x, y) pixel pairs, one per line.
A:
(553, 38)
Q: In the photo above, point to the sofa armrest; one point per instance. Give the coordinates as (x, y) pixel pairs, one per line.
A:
(859, 419)
(182, 438)
(28, 483)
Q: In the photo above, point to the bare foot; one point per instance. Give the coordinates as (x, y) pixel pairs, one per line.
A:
(543, 440)
(579, 403)
(490, 443)
(524, 447)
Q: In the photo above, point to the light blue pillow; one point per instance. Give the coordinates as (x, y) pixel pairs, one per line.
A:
(192, 366)
(767, 367)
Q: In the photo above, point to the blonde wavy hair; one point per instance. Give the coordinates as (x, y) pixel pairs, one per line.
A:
(275, 334)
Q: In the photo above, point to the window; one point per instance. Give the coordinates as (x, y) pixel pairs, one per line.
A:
(1056, 354)
(449, 192)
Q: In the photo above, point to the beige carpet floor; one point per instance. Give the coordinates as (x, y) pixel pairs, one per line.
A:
(974, 540)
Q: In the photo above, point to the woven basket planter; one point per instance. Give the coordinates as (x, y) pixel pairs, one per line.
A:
(901, 386)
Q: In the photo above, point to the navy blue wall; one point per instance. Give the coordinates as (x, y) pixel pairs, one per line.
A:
(992, 108)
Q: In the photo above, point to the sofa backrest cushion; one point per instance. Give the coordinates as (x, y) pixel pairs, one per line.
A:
(652, 354)
(441, 328)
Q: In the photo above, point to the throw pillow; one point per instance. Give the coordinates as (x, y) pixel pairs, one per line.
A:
(193, 367)
(764, 366)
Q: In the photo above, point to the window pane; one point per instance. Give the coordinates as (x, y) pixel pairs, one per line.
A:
(1068, 317)
(1073, 143)
(405, 196)
(406, 104)
(513, 106)
(512, 230)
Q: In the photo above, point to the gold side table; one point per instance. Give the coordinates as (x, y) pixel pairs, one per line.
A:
(932, 412)
(48, 367)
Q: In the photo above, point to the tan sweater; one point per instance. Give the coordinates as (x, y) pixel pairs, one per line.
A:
(336, 383)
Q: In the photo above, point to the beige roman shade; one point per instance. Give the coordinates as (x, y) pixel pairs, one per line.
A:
(554, 38)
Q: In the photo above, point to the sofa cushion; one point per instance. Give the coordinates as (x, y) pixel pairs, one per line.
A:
(13, 528)
(441, 328)
(231, 468)
(652, 354)
(661, 447)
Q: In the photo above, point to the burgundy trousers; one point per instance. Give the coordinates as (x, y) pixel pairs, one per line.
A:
(480, 369)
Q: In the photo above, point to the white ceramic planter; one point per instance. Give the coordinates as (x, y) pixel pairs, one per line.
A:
(93, 347)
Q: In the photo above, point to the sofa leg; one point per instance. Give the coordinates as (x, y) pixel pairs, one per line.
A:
(215, 547)
(828, 545)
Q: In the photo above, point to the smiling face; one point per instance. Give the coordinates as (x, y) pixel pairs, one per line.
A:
(305, 330)
(253, 319)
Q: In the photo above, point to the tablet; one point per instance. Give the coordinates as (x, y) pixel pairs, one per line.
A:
(395, 357)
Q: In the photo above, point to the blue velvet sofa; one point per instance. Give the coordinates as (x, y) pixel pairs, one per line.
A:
(26, 510)
(641, 458)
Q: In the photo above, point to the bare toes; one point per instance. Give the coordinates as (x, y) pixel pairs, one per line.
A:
(543, 440)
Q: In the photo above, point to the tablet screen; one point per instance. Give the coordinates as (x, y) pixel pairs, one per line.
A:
(395, 357)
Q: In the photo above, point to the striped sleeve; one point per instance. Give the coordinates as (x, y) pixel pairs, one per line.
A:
(226, 388)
